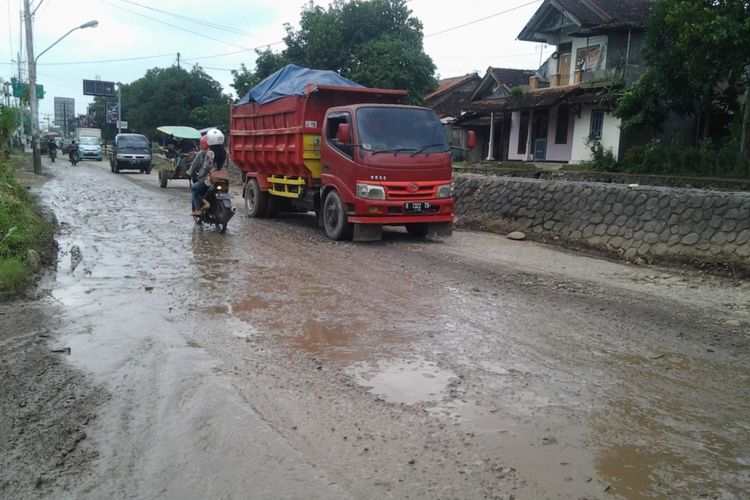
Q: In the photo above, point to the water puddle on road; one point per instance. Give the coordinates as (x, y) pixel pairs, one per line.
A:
(336, 342)
(667, 449)
(404, 381)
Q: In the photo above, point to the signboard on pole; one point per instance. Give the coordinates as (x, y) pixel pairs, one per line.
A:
(98, 87)
(64, 112)
(122, 125)
(111, 112)
(91, 116)
(22, 90)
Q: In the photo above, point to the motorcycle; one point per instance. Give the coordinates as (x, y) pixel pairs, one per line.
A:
(217, 203)
(74, 156)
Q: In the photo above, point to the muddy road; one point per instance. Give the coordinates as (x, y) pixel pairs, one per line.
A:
(270, 362)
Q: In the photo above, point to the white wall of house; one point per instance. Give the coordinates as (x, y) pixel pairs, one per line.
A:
(582, 127)
(559, 152)
(555, 152)
(515, 121)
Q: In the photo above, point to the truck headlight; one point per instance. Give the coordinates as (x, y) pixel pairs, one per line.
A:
(445, 191)
(370, 192)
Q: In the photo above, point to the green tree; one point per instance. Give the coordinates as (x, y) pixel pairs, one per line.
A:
(168, 96)
(375, 42)
(243, 80)
(696, 51)
(8, 123)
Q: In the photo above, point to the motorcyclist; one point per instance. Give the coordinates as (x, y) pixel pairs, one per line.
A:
(52, 149)
(215, 159)
(73, 151)
(197, 164)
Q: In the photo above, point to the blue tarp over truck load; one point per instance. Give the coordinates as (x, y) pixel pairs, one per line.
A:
(292, 80)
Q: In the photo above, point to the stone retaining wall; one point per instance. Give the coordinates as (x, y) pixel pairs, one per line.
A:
(643, 221)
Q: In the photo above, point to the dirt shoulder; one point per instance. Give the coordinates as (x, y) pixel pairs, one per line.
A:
(45, 405)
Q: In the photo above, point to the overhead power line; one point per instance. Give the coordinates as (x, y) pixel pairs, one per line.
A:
(98, 61)
(202, 22)
(482, 19)
(181, 28)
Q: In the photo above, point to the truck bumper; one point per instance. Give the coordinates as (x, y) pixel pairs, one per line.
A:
(387, 212)
(400, 220)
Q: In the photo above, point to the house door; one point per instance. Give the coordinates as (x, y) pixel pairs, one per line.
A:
(541, 124)
(563, 67)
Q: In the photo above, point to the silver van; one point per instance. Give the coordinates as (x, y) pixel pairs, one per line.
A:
(131, 151)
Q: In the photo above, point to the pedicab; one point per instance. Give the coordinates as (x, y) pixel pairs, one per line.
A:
(174, 160)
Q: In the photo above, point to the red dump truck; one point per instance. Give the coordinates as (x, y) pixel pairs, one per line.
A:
(353, 155)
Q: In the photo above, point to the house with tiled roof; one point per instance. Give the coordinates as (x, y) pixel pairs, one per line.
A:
(550, 114)
(452, 95)
(598, 42)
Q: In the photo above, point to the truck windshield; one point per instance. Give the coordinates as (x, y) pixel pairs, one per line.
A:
(400, 130)
(89, 141)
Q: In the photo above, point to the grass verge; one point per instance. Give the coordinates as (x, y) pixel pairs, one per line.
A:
(22, 228)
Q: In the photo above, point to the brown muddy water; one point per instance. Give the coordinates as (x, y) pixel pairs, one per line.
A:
(269, 362)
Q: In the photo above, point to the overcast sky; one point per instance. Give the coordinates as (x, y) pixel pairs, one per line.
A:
(150, 33)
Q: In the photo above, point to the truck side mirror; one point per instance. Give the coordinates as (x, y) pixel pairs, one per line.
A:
(344, 133)
(471, 140)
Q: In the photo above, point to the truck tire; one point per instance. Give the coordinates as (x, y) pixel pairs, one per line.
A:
(334, 217)
(256, 201)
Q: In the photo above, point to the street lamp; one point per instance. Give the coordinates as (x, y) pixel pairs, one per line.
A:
(32, 80)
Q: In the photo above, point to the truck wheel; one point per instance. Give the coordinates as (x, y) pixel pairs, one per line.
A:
(417, 230)
(256, 201)
(163, 178)
(334, 217)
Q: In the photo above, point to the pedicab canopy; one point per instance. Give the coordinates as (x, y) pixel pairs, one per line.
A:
(180, 132)
(292, 80)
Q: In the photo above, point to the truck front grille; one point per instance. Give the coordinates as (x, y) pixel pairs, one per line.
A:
(406, 191)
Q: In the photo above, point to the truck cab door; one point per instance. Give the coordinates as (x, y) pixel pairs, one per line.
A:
(337, 158)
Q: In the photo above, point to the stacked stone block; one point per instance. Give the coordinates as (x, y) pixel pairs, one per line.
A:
(638, 221)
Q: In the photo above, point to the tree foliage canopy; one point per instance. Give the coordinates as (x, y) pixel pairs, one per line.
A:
(376, 43)
(697, 51)
(169, 96)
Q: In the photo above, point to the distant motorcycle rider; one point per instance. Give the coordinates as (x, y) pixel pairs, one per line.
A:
(215, 159)
(73, 151)
(197, 165)
(52, 149)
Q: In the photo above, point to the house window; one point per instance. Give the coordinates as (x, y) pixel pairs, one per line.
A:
(597, 123)
(523, 132)
(563, 123)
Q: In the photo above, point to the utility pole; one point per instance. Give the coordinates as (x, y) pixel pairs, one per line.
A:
(37, 158)
(119, 107)
(20, 103)
(178, 60)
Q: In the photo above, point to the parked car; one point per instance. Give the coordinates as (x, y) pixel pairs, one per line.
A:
(131, 151)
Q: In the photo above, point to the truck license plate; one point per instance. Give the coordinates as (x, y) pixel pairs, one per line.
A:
(416, 206)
